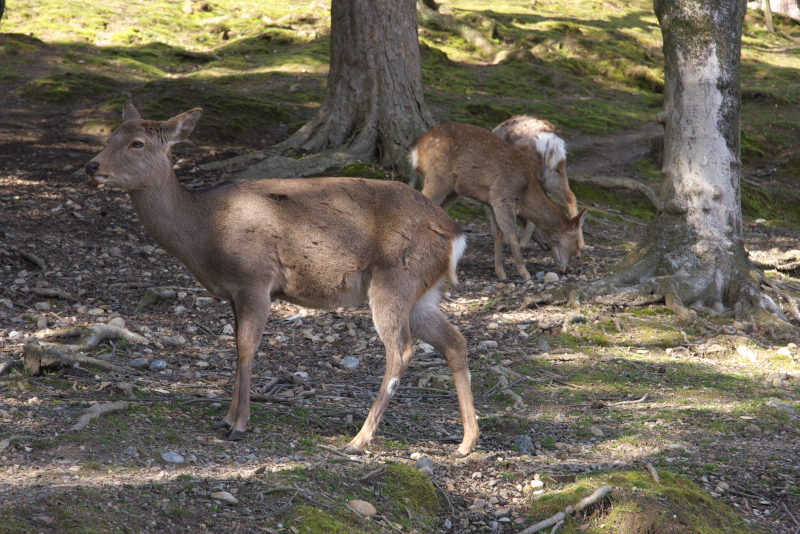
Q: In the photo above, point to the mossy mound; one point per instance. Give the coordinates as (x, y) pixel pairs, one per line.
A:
(639, 505)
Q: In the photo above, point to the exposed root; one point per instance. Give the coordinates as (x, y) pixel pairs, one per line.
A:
(438, 20)
(40, 356)
(562, 516)
(96, 410)
(277, 166)
(618, 182)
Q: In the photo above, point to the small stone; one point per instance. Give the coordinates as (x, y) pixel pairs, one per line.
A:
(536, 484)
(349, 362)
(747, 352)
(362, 508)
(543, 346)
(118, 322)
(524, 444)
(782, 406)
(596, 431)
(139, 363)
(487, 345)
(224, 496)
(157, 365)
(492, 326)
(42, 306)
(173, 341)
(425, 465)
(131, 451)
(426, 347)
(784, 351)
(550, 278)
(179, 310)
(752, 429)
(201, 364)
(172, 457)
(115, 252)
(506, 425)
(227, 329)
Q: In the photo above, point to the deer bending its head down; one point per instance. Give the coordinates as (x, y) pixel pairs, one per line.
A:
(322, 243)
(539, 142)
(460, 159)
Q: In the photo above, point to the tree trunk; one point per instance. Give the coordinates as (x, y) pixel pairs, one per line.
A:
(786, 8)
(374, 108)
(693, 254)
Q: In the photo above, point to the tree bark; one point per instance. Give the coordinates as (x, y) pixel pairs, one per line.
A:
(693, 254)
(374, 108)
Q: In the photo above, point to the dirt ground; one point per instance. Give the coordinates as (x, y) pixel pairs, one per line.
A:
(721, 405)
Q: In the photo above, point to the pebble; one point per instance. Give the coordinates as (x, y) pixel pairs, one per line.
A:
(596, 431)
(746, 352)
(784, 351)
(487, 345)
(179, 310)
(543, 346)
(224, 496)
(782, 406)
(550, 278)
(350, 362)
(492, 326)
(172, 457)
(362, 508)
(425, 465)
(202, 364)
(118, 322)
(173, 341)
(131, 451)
(752, 429)
(524, 444)
(115, 252)
(227, 329)
(42, 306)
(157, 365)
(139, 363)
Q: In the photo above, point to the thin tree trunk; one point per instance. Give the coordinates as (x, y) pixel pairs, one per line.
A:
(374, 108)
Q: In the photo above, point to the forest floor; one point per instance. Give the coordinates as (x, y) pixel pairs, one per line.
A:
(595, 392)
(570, 398)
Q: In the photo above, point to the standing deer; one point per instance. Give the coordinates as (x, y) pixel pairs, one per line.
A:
(321, 243)
(460, 159)
(538, 140)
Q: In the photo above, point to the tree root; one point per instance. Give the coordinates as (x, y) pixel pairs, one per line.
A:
(562, 516)
(437, 20)
(39, 353)
(277, 166)
(96, 410)
(618, 182)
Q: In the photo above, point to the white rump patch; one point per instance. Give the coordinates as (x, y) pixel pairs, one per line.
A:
(552, 148)
(456, 251)
(413, 158)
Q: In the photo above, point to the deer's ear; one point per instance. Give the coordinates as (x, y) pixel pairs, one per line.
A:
(579, 219)
(179, 127)
(129, 112)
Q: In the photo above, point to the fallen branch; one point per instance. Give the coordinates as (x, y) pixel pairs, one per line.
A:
(96, 410)
(53, 292)
(618, 182)
(87, 336)
(653, 472)
(340, 453)
(562, 516)
(42, 355)
(637, 401)
(375, 472)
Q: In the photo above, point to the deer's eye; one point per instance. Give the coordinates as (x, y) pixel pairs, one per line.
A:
(137, 144)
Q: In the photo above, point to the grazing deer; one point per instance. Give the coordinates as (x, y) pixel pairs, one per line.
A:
(321, 243)
(460, 159)
(538, 140)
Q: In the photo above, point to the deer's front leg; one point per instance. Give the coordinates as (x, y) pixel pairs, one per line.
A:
(250, 316)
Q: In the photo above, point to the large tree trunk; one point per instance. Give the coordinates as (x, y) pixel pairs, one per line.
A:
(374, 108)
(787, 8)
(693, 254)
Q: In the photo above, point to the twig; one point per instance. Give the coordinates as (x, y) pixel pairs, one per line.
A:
(446, 496)
(340, 453)
(375, 472)
(54, 293)
(791, 515)
(623, 403)
(653, 472)
(560, 517)
(33, 258)
(96, 410)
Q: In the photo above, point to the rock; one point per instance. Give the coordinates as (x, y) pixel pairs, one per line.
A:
(131, 451)
(747, 352)
(524, 444)
(139, 363)
(224, 496)
(782, 406)
(157, 365)
(425, 347)
(42, 306)
(201, 364)
(596, 431)
(507, 425)
(203, 302)
(492, 326)
(154, 294)
(362, 508)
(349, 362)
(543, 346)
(487, 345)
(172, 457)
(115, 252)
(425, 465)
(173, 341)
(752, 429)
(228, 329)
(784, 351)
(550, 278)
(179, 310)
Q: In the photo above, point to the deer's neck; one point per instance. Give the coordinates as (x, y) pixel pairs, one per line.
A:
(542, 211)
(173, 216)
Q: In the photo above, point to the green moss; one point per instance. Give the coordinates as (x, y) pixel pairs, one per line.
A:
(637, 504)
(408, 489)
(307, 519)
(68, 87)
(779, 206)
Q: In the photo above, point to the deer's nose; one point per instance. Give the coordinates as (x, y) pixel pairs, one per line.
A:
(92, 167)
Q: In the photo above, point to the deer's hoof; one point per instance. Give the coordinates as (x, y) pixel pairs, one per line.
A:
(222, 424)
(352, 449)
(236, 435)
